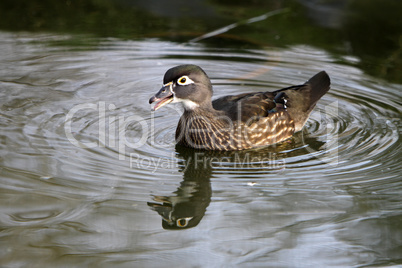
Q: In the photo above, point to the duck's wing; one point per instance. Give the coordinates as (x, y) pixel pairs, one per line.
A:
(247, 106)
(298, 101)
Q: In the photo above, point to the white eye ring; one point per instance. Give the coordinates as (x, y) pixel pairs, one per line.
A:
(184, 81)
(183, 222)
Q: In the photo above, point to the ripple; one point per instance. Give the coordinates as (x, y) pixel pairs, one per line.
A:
(349, 126)
(347, 132)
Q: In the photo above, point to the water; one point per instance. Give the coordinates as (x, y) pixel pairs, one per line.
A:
(87, 170)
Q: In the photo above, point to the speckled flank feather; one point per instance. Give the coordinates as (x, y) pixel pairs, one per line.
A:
(211, 132)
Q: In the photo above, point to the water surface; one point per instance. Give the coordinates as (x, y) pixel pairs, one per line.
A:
(87, 169)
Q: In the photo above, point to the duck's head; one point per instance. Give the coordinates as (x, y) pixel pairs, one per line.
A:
(188, 84)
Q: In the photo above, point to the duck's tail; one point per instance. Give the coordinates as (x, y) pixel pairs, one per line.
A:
(300, 100)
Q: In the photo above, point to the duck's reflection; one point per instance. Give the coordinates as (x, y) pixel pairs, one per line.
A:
(187, 205)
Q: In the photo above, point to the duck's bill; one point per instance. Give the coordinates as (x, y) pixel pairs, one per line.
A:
(161, 98)
(160, 102)
(163, 209)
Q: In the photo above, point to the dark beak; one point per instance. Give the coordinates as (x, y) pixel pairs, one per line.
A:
(163, 97)
(164, 209)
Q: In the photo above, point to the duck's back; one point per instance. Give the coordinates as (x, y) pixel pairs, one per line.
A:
(297, 101)
(245, 106)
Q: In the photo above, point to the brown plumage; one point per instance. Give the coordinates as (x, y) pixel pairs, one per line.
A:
(240, 121)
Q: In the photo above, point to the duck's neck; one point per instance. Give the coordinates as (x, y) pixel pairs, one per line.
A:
(189, 105)
(196, 108)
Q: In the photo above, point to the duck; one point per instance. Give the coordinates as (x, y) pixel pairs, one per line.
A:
(236, 122)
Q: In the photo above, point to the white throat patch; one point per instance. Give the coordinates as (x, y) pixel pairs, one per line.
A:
(187, 104)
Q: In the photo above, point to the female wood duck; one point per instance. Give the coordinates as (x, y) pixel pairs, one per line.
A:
(236, 122)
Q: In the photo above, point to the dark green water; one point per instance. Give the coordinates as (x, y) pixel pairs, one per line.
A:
(87, 170)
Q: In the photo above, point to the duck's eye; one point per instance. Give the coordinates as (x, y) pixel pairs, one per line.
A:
(184, 80)
(183, 222)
